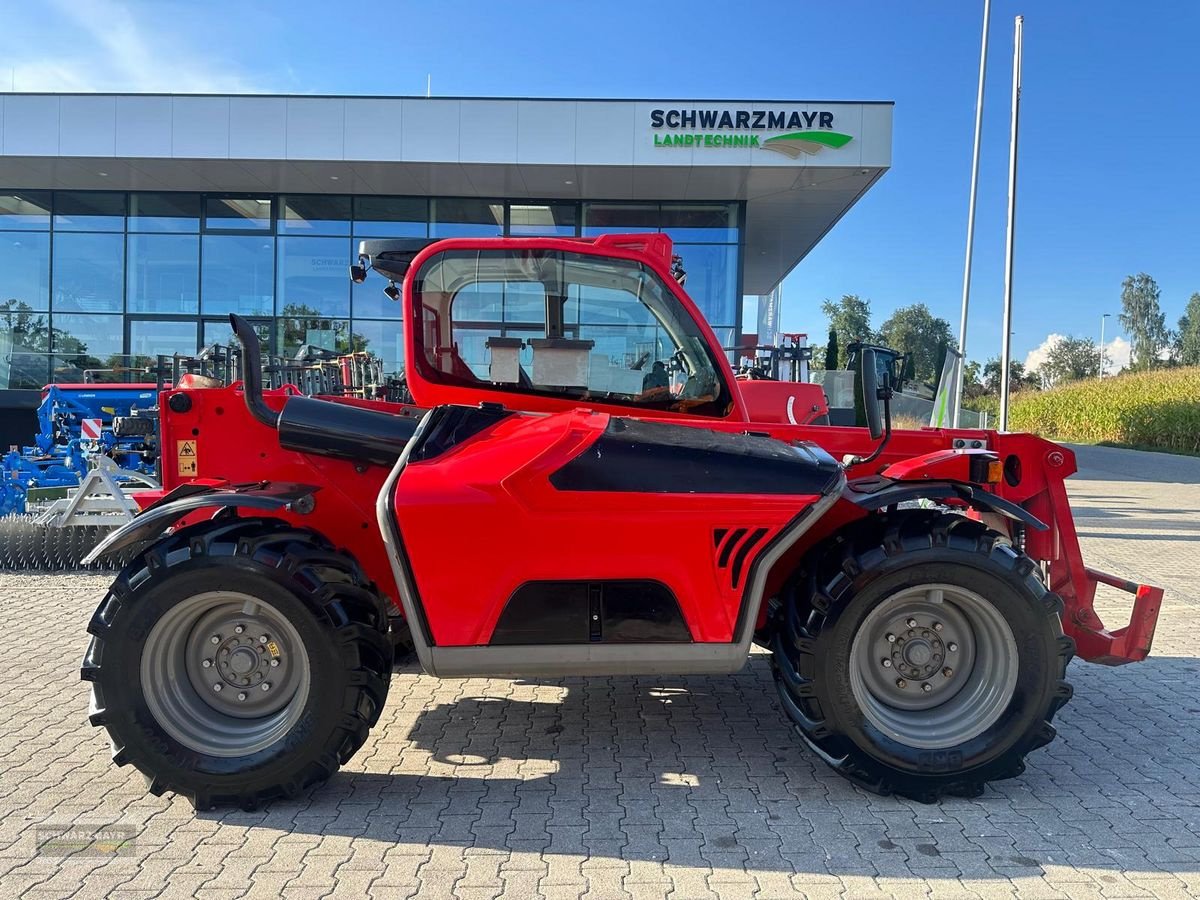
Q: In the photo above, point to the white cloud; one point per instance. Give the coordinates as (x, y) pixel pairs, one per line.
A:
(1116, 355)
(100, 45)
(1040, 353)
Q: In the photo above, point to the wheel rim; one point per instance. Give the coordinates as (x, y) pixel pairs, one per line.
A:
(224, 673)
(933, 666)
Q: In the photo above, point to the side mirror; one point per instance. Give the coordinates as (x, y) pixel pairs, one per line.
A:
(868, 381)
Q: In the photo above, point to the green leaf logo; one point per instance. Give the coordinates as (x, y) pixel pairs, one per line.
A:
(795, 143)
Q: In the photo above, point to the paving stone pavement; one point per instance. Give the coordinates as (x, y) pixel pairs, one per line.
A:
(682, 788)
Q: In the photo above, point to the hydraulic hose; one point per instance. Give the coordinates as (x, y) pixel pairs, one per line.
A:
(252, 372)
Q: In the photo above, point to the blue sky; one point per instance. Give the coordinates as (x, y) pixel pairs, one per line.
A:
(1109, 181)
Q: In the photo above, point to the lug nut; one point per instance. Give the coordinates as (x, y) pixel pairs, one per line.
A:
(215, 639)
(887, 663)
(901, 683)
(891, 639)
(207, 664)
(274, 663)
(242, 696)
(217, 687)
(952, 647)
(937, 626)
(927, 687)
(266, 685)
(239, 629)
(947, 672)
(912, 623)
(263, 639)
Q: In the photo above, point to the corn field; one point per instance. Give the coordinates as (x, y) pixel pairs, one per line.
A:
(1155, 410)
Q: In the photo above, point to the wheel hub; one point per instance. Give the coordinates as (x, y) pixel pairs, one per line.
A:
(225, 673)
(234, 648)
(920, 672)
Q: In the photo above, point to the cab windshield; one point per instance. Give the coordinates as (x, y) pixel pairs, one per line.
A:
(563, 324)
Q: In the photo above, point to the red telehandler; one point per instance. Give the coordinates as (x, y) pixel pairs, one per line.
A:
(581, 486)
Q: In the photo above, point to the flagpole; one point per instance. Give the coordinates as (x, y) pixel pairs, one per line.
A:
(1006, 349)
(966, 289)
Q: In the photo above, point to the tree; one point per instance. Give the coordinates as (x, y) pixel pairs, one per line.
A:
(973, 380)
(917, 332)
(1187, 341)
(831, 350)
(850, 320)
(1143, 320)
(29, 330)
(1018, 378)
(1070, 360)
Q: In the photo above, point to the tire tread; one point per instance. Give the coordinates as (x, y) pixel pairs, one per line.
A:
(354, 615)
(808, 602)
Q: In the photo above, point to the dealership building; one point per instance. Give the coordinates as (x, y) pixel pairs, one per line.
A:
(132, 225)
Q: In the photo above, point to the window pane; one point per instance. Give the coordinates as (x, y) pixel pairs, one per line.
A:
(25, 271)
(625, 341)
(237, 213)
(87, 342)
(89, 272)
(619, 218)
(391, 217)
(542, 219)
(712, 280)
(26, 211)
(592, 304)
(466, 218)
(24, 347)
(89, 212)
(164, 273)
(384, 339)
(700, 222)
(238, 274)
(164, 212)
(324, 334)
(149, 339)
(501, 301)
(313, 279)
(314, 215)
(218, 331)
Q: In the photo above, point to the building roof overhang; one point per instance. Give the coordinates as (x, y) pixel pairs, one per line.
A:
(489, 148)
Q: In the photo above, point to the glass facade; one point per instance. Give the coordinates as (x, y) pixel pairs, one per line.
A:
(106, 281)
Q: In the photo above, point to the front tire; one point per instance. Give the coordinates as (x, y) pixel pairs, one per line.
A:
(237, 661)
(922, 656)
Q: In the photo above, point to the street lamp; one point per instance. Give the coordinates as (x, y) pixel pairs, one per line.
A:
(1102, 318)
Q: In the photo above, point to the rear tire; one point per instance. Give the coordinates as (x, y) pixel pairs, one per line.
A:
(922, 656)
(239, 603)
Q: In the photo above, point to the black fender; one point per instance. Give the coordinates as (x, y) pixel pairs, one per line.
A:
(151, 522)
(876, 493)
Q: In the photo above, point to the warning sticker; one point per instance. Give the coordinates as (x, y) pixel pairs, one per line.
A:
(185, 453)
(91, 429)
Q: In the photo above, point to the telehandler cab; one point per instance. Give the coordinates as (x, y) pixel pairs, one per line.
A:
(582, 487)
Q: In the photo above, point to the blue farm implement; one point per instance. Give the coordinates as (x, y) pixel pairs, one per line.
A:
(77, 422)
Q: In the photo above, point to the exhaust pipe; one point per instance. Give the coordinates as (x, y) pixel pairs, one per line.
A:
(321, 427)
(252, 372)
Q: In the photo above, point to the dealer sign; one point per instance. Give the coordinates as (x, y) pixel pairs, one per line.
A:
(790, 132)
